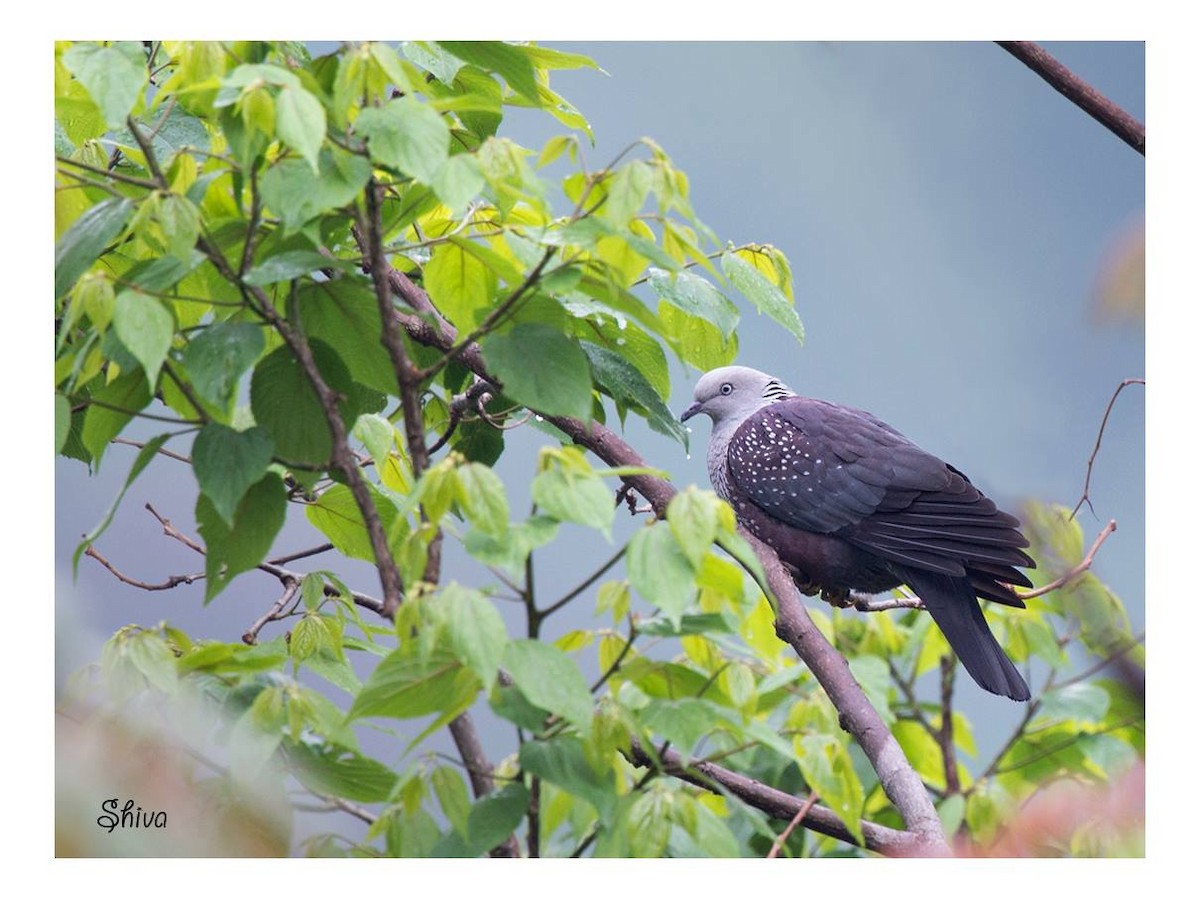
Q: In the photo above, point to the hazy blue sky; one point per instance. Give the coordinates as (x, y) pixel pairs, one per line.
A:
(947, 215)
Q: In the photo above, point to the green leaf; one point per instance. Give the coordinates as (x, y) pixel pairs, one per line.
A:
(475, 630)
(300, 122)
(336, 771)
(695, 295)
(627, 191)
(562, 762)
(766, 296)
(660, 571)
(128, 394)
(146, 327)
(483, 500)
(504, 59)
(62, 421)
(404, 686)
(549, 679)
(495, 816)
(337, 516)
(408, 135)
(922, 751)
(692, 517)
(345, 315)
(286, 266)
(218, 356)
(580, 497)
(648, 822)
(696, 341)
(873, 676)
(1082, 702)
(459, 181)
(510, 551)
(377, 434)
(451, 792)
(542, 369)
(626, 384)
(285, 402)
(699, 623)
(86, 239)
(292, 191)
(231, 550)
(114, 76)
(827, 767)
(228, 462)
(443, 65)
(460, 286)
(952, 811)
(509, 703)
(143, 459)
(683, 722)
(180, 223)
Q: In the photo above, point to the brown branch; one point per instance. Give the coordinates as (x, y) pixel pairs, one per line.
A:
(945, 734)
(1077, 570)
(1087, 480)
(479, 770)
(107, 173)
(172, 582)
(1079, 92)
(408, 377)
(163, 450)
(791, 826)
(290, 586)
(780, 805)
(301, 554)
(284, 575)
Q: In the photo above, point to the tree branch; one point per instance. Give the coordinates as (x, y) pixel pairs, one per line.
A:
(290, 586)
(791, 826)
(1087, 480)
(780, 805)
(1077, 570)
(284, 575)
(1079, 92)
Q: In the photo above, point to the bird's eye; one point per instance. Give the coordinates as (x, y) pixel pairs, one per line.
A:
(727, 388)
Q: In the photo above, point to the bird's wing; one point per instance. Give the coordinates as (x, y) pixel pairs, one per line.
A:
(836, 470)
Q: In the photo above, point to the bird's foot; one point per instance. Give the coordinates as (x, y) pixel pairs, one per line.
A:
(839, 597)
(803, 585)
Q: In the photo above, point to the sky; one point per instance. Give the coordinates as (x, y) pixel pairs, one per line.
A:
(948, 217)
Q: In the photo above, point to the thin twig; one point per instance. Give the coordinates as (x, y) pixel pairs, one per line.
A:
(791, 826)
(163, 450)
(1087, 481)
(1077, 570)
(616, 663)
(945, 734)
(172, 582)
(301, 554)
(587, 583)
(290, 586)
(1079, 92)
(169, 529)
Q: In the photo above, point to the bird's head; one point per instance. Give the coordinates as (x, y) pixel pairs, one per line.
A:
(734, 392)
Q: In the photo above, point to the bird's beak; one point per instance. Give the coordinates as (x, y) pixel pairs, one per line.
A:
(689, 412)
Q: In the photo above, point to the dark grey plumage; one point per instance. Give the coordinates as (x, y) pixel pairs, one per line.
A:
(851, 504)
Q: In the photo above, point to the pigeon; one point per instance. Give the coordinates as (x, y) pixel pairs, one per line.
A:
(850, 504)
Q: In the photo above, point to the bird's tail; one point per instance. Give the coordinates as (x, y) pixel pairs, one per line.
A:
(955, 610)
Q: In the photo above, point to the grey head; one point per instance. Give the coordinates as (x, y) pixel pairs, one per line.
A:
(731, 393)
(729, 396)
